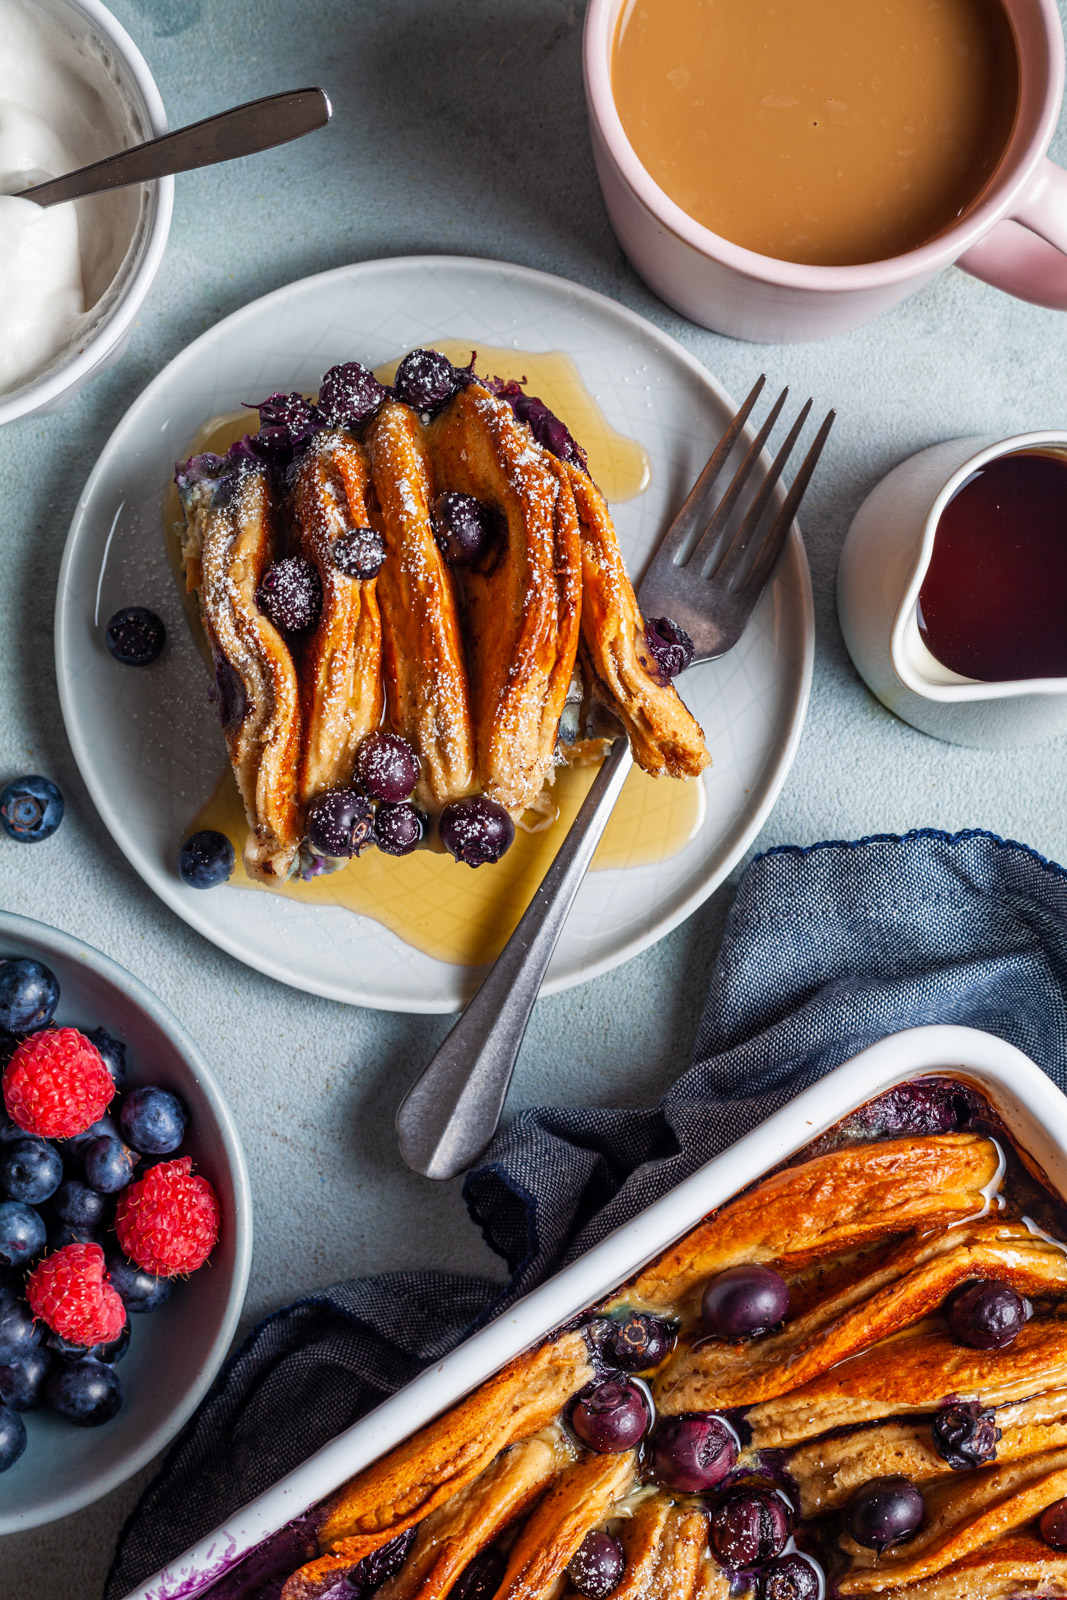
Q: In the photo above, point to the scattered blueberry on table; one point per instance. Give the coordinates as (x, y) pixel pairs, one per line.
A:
(31, 808)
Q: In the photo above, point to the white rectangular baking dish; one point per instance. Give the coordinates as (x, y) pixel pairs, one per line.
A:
(1031, 1106)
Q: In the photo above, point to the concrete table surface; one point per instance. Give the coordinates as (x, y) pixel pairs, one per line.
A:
(459, 127)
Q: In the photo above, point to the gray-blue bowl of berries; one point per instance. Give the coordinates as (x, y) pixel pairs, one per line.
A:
(102, 1359)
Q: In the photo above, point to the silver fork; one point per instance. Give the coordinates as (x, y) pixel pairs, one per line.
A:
(707, 579)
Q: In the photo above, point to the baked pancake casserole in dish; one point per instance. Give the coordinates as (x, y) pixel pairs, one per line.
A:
(848, 1378)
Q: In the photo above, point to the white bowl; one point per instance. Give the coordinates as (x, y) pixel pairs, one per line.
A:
(1032, 1108)
(139, 216)
(176, 1351)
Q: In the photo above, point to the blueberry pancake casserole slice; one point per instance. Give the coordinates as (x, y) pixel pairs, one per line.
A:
(431, 565)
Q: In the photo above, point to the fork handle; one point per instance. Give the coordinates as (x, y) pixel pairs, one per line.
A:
(450, 1113)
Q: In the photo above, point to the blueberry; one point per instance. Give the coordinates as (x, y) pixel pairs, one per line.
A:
(85, 1392)
(639, 1342)
(425, 380)
(462, 526)
(290, 418)
(64, 1350)
(112, 1053)
(31, 808)
(748, 1525)
(670, 647)
(10, 1131)
(22, 1381)
(476, 830)
(597, 1566)
(988, 1315)
(885, 1512)
(230, 696)
(340, 822)
(350, 394)
(290, 595)
(83, 1207)
(22, 1233)
(138, 1289)
(481, 1577)
(359, 553)
(104, 1128)
(108, 1164)
(206, 859)
(611, 1416)
(693, 1453)
(965, 1435)
(387, 767)
(1053, 1525)
(383, 1562)
(135, 636)
(12, 1437)
(153, 1121)
(398, 829)
(792, 1577)
(20, 1332)
(29, 994)
(744, 1301)
(63, 1233)
(31, 1170)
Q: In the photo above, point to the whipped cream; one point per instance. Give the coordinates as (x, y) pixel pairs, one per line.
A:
(60, 108)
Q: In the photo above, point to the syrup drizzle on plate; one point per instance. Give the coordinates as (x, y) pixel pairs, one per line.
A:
(450, 911)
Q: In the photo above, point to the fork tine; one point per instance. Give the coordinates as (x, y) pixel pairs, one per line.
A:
(734, 557)
(702, 556)
(767, 554)
(691, 515)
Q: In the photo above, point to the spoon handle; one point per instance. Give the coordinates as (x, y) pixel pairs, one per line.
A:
(451, 1112)
(242, 131)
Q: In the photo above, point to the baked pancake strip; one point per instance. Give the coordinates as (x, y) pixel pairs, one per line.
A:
(340, 664)
(425, 676)
(230, 537)
(521, 606)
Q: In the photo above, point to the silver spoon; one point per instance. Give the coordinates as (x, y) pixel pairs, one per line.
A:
(242, 131)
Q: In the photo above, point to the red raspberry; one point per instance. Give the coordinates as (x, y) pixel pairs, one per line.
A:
(56, 1084)
(71, 1292)
(169, 1220)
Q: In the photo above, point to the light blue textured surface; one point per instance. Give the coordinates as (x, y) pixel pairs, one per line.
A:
(458, 127)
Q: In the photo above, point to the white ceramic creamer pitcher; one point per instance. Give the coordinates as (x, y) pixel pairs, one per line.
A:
(883, 563)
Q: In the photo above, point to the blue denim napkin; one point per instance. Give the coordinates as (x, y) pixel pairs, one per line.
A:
(826, 950)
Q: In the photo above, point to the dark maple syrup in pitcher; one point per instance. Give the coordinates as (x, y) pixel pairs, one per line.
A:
(993, 603)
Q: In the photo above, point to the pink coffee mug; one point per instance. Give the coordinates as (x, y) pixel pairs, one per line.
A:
(1015, 237)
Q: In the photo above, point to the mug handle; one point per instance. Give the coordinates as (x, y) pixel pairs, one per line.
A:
(1026, 254)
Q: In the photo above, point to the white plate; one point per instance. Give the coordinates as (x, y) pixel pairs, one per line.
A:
(147, 741)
